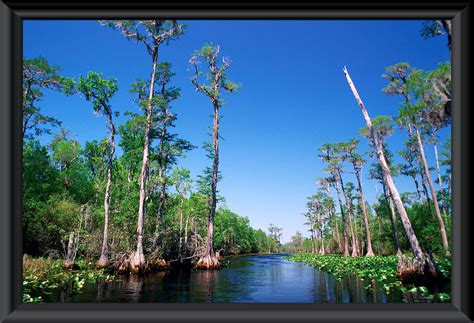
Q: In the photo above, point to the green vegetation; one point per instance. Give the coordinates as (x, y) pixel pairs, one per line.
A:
(86, 202)
(419, 222)
(404, 229)
(42, 277)
(381, 269)
(137, 211)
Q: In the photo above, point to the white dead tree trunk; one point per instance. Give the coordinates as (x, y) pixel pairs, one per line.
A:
(421, 261)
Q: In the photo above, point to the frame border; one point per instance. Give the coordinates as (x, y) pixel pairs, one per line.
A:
(12, 12)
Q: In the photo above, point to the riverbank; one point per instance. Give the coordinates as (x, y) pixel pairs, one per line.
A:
(43, 276)
(379, 269)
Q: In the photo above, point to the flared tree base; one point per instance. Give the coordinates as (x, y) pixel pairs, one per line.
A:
(70, 265)
(156, 264)
(137, 263)
(123, 266)
(102, 263)
(208, 262)
(370, 254)
(411, 270)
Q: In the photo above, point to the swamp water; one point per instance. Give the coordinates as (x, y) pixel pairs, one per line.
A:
(247, 279)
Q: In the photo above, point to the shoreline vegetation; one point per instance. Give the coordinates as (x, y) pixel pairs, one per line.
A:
(138, 211)
(381, 270)
(44, 276)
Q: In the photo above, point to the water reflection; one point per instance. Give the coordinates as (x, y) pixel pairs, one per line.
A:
(253, 279)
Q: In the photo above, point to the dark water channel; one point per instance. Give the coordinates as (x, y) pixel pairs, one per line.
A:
(250, 279)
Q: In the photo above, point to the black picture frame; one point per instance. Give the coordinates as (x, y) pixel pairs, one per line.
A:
(11, 307)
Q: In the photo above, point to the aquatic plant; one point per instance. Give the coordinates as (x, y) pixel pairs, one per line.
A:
(380, 269)
(41, 276)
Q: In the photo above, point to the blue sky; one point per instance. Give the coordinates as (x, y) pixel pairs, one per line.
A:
(294, 97)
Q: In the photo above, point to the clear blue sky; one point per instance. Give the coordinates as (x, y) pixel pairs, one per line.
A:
(294, 97)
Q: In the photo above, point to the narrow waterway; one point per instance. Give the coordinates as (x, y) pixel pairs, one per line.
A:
(249, 279)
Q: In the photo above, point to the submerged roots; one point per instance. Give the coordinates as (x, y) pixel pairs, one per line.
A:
(138, 265)
(208, 262)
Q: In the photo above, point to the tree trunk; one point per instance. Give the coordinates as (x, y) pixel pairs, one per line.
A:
(343, 216)
(130, 211)
(316, 242)
(313, 233)
(160, 213)
(447, 27)
(104, 255)
(422, 173)
(423, 184)
(161, 175)
(394, 224)
(441, 189)
(393, 218)
(362, 242)
(74, 236)
(370, 251)
(332, 217)
(332, 214)
(208, 259)
(186, 231)
(311, 230)
(444, 238)
(349, 213)
(424, 264)
(137, 260)
(321, 246)
(357, 243)
(180, 227)
(355, 247)
(69, 262)
(417, 186)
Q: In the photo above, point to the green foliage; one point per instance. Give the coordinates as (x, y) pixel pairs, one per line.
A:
(382, 269)
(42, 277)
(95, 158)
(132, 139)
(234, 235)
(98, 90)
(62, 179)
(40, 181)
(397, 75)
(383, 126)
(68, 157)
(427, 228)
(216, 77)
(151, 33)
(275, 234)
(38, 75)
(297, 241)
